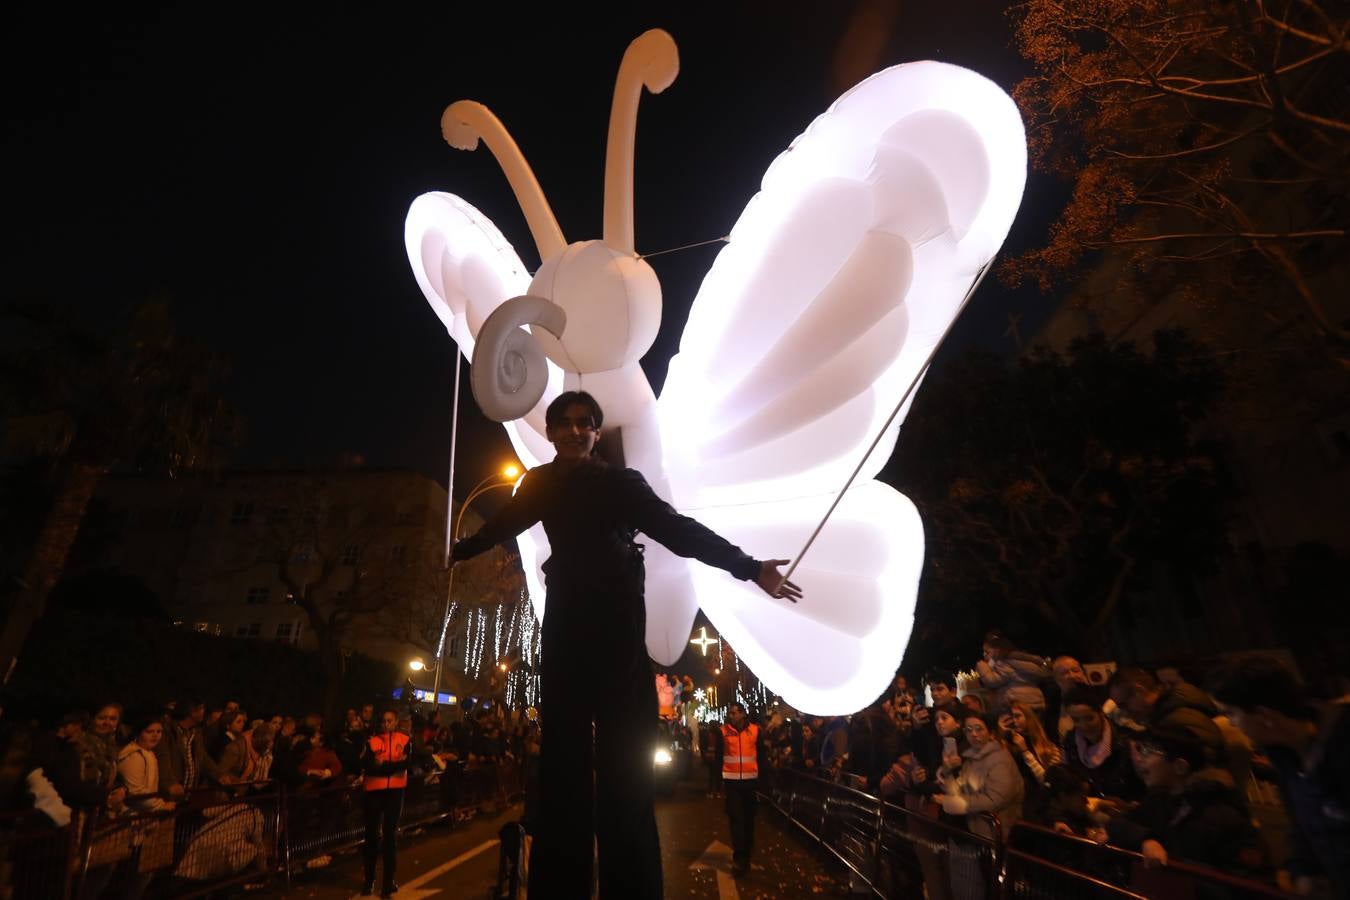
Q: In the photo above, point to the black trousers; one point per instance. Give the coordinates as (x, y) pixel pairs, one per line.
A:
(742, 802)
(598, 712)
(382, 809)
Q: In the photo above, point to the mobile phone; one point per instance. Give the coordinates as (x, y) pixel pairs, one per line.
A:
(949, 746)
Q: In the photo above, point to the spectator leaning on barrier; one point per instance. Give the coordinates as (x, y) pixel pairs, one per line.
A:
(1150, 702)
(873, 743)
(1308, 742)
(1096, 749)
(59, 756)
(183, 760)
(1192, 811)
(138, 767)
(984, 779)
(98, 748)
(1066, 807)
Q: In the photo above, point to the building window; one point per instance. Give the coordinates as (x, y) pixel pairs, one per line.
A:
(258, 595)
(251, 630)
(405, 517)
(397, 552)
(350, 554)
(278, 515)
(242, 512)
(285, 632)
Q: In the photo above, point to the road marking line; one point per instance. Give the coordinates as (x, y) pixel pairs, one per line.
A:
(726, 887)
(446, 867)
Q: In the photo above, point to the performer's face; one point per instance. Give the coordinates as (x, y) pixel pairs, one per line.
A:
(574, 434)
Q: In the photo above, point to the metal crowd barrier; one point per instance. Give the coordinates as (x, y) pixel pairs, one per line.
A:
(209, 841)
(34, 857)
(893, 851)
(1101, 870)
(896, 852)
(220, 838)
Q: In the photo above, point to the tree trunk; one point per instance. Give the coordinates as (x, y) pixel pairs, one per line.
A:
(48, 561)
(330, 669)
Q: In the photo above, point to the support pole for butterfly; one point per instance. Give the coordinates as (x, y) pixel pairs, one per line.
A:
(449, 536)
(965, 301)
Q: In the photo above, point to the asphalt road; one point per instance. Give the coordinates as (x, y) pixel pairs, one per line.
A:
(695, 850)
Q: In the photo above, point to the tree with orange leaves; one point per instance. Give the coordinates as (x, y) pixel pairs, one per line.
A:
(1208, 148)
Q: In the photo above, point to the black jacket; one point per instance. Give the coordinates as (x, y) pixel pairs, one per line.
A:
(1116, 776)
(1207, 823)
(1318, 800)
(592, 512)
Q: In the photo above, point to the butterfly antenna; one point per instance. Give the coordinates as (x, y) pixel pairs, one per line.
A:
(651, 61)
(965, 301)
(463, 124)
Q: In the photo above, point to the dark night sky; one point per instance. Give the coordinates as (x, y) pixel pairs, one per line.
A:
(257, 170)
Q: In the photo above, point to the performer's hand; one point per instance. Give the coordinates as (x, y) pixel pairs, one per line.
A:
(772, 582)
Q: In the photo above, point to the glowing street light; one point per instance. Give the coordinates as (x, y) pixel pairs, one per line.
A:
(417, 664)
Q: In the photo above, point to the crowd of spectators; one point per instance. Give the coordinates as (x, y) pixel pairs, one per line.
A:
(1145, 761)
(102, 766)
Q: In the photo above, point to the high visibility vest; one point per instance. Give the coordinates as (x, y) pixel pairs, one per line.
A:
(388, 748)
(739, 762)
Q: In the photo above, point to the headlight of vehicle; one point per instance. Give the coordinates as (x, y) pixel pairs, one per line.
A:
(662, 756)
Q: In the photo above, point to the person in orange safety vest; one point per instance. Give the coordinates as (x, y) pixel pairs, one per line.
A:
(740, 781)
(384, 760)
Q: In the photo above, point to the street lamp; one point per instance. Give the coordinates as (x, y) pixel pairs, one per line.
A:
(505, 477)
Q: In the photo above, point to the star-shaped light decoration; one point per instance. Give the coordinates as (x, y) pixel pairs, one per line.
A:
(703, 641)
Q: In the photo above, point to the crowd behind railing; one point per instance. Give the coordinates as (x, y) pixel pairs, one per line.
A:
(186, 799)
(1248, 779)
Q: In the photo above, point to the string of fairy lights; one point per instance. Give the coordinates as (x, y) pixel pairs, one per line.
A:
(507, 633)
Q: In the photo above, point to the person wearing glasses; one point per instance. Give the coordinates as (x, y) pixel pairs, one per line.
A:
(983, 779)
(1193, 811)
(592, 512)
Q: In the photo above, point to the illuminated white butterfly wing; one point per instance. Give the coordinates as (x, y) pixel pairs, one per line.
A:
(467, 269)
(840, 278)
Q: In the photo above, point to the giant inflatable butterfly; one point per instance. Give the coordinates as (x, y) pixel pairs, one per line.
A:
(838, 281)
